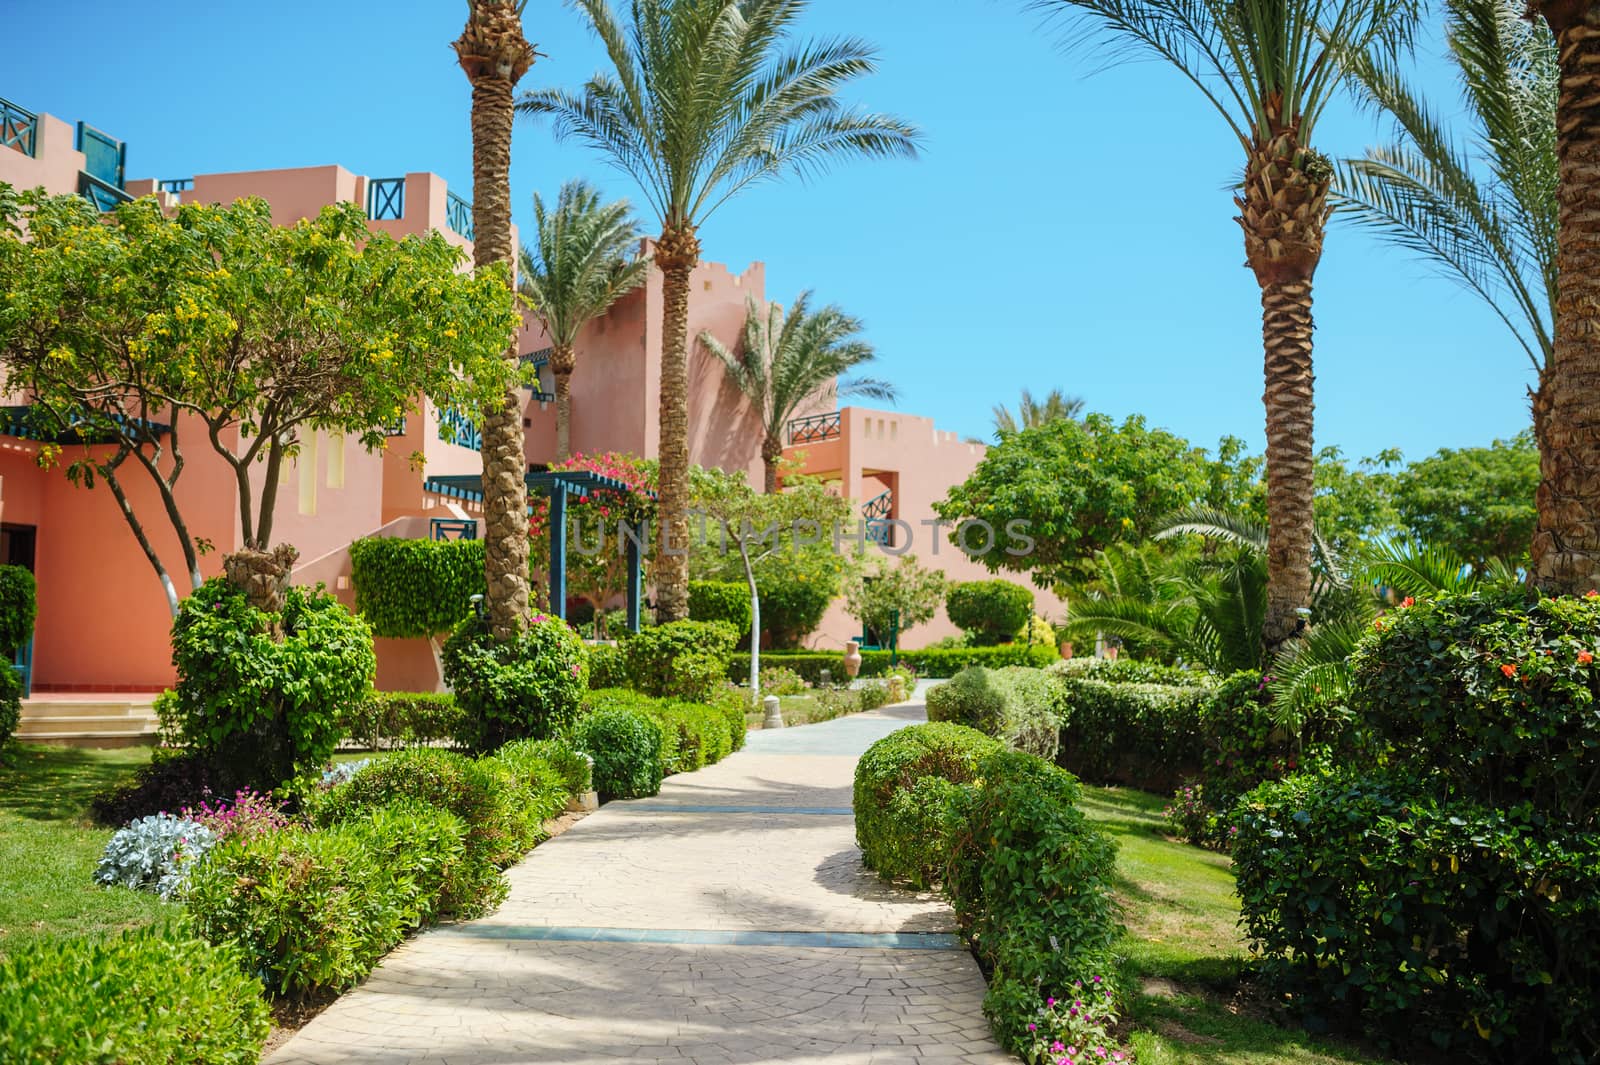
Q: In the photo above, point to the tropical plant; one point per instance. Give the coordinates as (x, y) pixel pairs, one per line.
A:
(1269, 68)
(785, 360)
(578, 268)
(494, 55)
(1055, 406)
(1566, 542)
(1486, 217)
(892, 597)
(705, 98)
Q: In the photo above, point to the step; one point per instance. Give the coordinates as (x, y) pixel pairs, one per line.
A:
(123, 738)
(51, 708)
(85, 723)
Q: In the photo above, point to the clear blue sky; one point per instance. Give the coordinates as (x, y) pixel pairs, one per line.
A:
(1066, 227)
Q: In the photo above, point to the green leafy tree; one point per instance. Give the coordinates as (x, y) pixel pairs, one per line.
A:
(578, 268)
(1355, 502)
(1475, 502)
(138, 329)
(1269, 68)
(754, 526)
(785, 360)
(704, 99)
(1033, 412)
(494, 55)
(893, 596)
(1072, 487)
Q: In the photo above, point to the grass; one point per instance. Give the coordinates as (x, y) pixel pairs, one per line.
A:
(803, 709)
(1184, 952)
(49, 847)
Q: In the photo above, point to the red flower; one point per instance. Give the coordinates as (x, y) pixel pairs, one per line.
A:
(1592, 594)
(1407, 601)
(1509, 669)
(1585, 657)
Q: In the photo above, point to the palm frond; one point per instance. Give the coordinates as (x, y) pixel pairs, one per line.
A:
(1214, 524)
(1416, 569)
(1312, 674)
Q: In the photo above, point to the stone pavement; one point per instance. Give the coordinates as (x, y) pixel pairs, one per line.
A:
(727, 920)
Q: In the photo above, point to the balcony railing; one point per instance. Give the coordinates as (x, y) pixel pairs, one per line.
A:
(456, 428)
(19, 129)
(458, 215)
(386, 199)
(877, 513)
(104, 157)
(179, 184)
(102, 194)
(817, 427)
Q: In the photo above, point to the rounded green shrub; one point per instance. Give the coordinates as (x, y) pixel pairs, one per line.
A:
(720, 601)
(569, 763)
(607, 668)
(1016, 705)
(264, 696)
(989, 611)
(681, 659)
(149, 996)
(410, 588)
(546, 788)
(900, 838)
(626, 747)
(525, 688)
(19, 608)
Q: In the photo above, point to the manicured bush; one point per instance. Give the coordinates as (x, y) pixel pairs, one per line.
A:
(404, 719)
(607, 668)
(731, 704)
(409, 588)
(493, 804)
(721, 601)
(170, 781)
(1015, 705)
(570, 764)
(990, 612)
(937, 664)
(546, 788)
(10, 701)
(154, 853)
(1378, 904)
(263, 695)
(1146, 736)
(900, 811)
(877, 693)
(526, 688)
(1130, 671)
(19, 608)
(148, 996)
(679, 660)
(626, 747)
(1030, 879)
(315, 909)
(1493, 692)
(694, 735)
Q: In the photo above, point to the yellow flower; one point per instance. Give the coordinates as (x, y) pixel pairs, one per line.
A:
(451, 333)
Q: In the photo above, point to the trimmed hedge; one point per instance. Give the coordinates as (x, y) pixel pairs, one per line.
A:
(404, 719)
(569, 764)
(679, 660)
(315, 909)
(1147, 736)
(904, 786)
(527, 688)
(1015, 705)
(149, 996)
(991, 612)
(607, 667)
(1131, 671)
(410, 588)
(940, 663)
(625, 744)
(720, 601)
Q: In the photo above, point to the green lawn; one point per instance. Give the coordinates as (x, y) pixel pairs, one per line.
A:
(48, 845)
(1184, 950)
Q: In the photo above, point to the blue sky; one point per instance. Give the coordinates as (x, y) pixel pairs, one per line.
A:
(1068, 226)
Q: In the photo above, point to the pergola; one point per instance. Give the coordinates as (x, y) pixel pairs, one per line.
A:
(557, 486)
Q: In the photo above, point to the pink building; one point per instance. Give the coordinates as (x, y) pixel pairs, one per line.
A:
(103, 619)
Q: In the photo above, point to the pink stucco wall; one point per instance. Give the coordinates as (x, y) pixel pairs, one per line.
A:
(55, 161)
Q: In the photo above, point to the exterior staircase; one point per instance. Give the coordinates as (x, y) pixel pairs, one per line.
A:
(86, 720)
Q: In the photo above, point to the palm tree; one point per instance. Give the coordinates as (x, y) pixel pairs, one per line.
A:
(581, 269)
(1056, 406)
(785, 360)
(706, 98)
(1566, 542)
(1486, 217)
(1269, 68)
(494, 54)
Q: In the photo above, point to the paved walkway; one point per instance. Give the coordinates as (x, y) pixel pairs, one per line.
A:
(728, 920)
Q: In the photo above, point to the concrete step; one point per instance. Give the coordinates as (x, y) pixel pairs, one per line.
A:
(124, 738)
(85, 723)
(52, 708)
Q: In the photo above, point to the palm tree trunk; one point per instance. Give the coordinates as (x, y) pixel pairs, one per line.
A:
(771, 452)
(1566, 542)
(676, 254)
(494, 54)
(1291, 462)
(562, 363)
(1283, 211)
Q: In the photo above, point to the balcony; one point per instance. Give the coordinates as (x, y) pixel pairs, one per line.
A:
(456, 428)
(102, 194)
(458, 215)
(386, 199)
(815, 428)
(19, 129)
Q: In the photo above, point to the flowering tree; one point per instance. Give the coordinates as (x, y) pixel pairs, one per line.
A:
(889, 598)
(215, 319)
